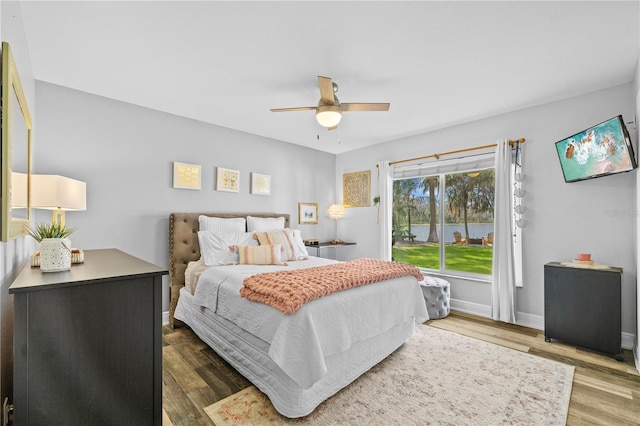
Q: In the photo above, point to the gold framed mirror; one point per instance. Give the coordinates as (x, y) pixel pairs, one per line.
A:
(15, 180)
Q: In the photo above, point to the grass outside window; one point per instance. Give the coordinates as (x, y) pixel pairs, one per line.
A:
(477, 260)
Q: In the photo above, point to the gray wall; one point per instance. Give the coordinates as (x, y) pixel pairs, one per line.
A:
(593, 216)
(125, 154)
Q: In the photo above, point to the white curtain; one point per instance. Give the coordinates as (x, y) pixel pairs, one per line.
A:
(385, 187)
(503, 286)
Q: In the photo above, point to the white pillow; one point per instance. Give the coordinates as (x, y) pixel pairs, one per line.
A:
(264, 224)
(221, 225)
(300, 250)
(221, 249)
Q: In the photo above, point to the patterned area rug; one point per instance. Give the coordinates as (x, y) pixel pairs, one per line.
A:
(437, 377)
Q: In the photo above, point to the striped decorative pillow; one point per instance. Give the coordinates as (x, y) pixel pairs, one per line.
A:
(281, 238)
(260, 255)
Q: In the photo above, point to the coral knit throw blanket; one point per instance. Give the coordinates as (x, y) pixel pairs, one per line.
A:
(288, 291)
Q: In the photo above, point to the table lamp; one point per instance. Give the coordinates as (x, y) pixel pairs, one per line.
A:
(336, 212)
(58, 194)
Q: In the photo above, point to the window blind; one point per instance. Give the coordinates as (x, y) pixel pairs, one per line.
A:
(450, 165)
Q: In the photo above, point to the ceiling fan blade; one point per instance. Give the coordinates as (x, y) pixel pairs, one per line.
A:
(326, 90)
(365, 107)
(292, 109)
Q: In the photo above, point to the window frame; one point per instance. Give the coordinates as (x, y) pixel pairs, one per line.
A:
(442, 271)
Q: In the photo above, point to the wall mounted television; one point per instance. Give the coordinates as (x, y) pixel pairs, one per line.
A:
(601, 150)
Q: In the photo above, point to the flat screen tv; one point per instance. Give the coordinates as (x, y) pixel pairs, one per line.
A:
(601, 150)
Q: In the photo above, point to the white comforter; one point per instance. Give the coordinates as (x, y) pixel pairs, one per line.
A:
(300, 343)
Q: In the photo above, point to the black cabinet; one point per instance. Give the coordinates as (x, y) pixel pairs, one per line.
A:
(582, 306)
(88, 343)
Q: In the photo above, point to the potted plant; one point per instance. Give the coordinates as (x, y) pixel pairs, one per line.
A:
(55, 246)
(376, 203)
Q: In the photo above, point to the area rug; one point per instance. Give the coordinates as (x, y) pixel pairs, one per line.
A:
(436, 378)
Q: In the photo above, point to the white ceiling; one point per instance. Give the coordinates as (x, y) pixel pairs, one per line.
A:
(437, 63)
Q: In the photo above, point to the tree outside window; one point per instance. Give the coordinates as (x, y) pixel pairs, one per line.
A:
(463, 240)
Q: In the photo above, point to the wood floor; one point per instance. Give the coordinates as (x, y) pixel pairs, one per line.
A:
(605, 391)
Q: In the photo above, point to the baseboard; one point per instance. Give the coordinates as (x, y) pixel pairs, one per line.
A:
(530, 320)
(165, 318)
(527, 320)
(628, 340)
(471, 308)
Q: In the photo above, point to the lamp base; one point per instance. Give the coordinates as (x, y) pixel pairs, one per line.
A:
(77, 256)
(58, 217)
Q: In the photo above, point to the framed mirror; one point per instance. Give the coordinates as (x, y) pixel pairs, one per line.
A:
(15, 179)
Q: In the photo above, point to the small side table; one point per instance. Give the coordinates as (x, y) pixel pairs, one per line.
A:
(326, 244)
(582, 307)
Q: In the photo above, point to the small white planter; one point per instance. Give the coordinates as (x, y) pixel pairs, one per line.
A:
(55, 254)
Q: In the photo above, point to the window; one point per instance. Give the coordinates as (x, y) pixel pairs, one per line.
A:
(444, 221)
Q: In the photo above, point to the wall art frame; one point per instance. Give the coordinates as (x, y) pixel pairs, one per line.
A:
(307, 213)
(260, 184)
(227, 180)
(187, 176)
(356, 189)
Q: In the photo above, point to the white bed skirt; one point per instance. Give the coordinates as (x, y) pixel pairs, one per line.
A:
(250, 356)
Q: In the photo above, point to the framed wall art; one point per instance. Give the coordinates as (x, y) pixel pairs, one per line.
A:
(356, 189)
(186, 176)
(228, 180)
(260, 184)
(307, 213)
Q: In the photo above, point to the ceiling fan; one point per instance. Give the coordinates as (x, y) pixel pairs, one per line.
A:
(329, 110)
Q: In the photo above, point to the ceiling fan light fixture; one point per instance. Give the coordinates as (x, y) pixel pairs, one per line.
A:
(328, 115)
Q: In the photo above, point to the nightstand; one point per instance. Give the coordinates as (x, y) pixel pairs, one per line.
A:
(325, 245)
(88, 343)
(582, 306)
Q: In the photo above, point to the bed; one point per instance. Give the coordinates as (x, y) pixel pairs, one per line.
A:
(297, 360)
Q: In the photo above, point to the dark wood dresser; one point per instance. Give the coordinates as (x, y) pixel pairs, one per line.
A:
(582, 307)
(88, 343)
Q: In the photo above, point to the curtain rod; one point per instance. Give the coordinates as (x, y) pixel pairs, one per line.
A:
(437, 156)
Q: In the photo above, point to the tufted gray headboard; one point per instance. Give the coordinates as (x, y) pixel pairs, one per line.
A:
(184, 248)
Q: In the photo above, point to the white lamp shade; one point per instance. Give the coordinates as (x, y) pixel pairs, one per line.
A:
(336, 211)
(328, 115)
(53, 192)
